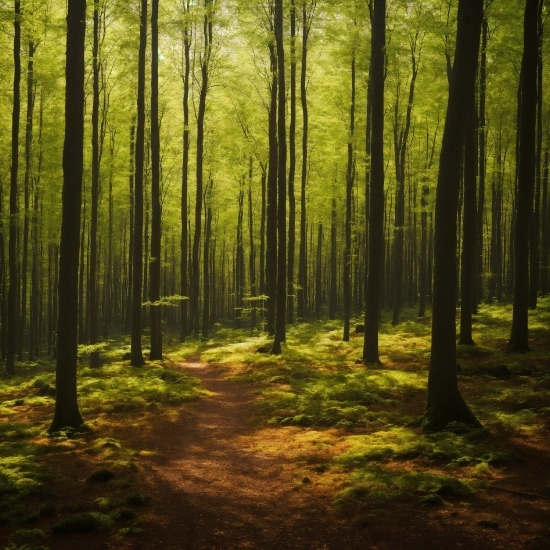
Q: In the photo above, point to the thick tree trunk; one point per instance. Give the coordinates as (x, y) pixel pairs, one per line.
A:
(66, 405)
(519, 337)
(136, 359)
(156, 231)
(444, 402)
(376, 201)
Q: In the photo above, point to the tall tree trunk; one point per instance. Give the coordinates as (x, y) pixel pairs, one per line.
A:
(468, 258)
(204, 64)
(206, 261)
(96, 160)
(401, 139)
(534, 244)
(318, 272)
(156, 236)
(519, 337)
(136, 359)
(239, 263)
(376, 201)
(252, 257)
(349, 195)
(66, 405)
(184, 266)
(12, 252)
(444, 402)
(271, 235)
(280, 316)
(333, 292)
(482, 136)
(302, 261)
(131, 178)
(292, 167)
(545, 249)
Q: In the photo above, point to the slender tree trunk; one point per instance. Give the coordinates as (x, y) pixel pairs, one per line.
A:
(292, 167)
(205, 60)
(136, 359)
(482, 136)
(271, 236)
(66, 405)
(349, 195)
(184, 267)
(206, 259)
(519, 337)
(318, 272)
(468, 259)
(96, 160)
(239, 263)
(252, 257)
(444, 402)
(302, 261)
(12, 252)
(534, 244)
(376, 201)
(156, 230)
(281, 296)
(333, 293)
(545, 249)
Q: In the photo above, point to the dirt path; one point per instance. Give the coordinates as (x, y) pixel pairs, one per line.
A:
(212, 491)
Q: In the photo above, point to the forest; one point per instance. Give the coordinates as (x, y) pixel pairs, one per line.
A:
(274, 274)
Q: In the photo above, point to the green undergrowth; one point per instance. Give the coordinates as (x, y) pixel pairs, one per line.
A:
(112, 394)
(375, 411)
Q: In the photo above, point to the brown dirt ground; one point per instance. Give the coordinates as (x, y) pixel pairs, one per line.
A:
(213, 487)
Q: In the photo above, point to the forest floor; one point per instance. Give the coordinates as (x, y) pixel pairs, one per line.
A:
(219, 447)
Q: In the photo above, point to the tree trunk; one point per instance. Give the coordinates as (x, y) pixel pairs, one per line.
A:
(444, 402)
(252, 257)
(292, 167)
(136, 359)
(376, 201)
(519, 337)
(96, 160)
(280, 317)
(318, 272)
(271, 235)
(468, 259)
(12, 252)
(66, 405)
(156, 230)
(205, 60)
(333, 293)
(349, 195)
(184, 266)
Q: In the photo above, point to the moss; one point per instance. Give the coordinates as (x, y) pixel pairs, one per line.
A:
(28, 535)
(83, 523)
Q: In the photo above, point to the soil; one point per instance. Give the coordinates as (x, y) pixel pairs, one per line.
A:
(213, 486)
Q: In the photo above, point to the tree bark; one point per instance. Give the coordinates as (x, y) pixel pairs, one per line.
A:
(444, 402)
(136, 359)
(66, 405)
(519, 337)
(281, 297)
(12, 251)
(156, 230)
(376, 202)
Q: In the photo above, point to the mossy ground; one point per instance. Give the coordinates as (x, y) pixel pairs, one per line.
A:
(350, 429)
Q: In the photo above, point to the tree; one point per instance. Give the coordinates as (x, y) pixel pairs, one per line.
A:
(280, 317)
(527, 114)
(444, 402)
(12, 252)
(136, 359)
(66, 405)
(376, 199)
(154, 266)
